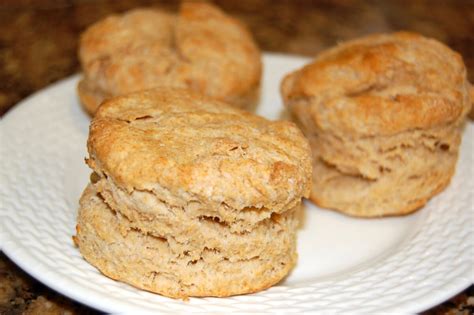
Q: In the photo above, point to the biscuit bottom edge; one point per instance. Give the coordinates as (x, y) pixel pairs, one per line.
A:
(375, 199)
(146, 262)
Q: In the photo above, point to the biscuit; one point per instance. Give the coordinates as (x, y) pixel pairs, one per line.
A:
(384, 117)
(201, 49)
(191, 196)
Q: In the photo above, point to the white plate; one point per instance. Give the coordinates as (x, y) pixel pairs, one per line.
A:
(404, 264)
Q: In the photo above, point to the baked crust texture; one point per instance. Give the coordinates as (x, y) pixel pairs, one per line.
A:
(200, 48)
(191, 196)
(384, 117)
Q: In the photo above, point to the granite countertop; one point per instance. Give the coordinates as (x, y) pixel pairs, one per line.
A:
(38, 44)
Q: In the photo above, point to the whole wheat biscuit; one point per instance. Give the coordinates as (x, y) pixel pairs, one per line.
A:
(201, 49)
(384, 116)
(200, 198)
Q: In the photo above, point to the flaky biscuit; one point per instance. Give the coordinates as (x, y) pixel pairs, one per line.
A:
(173, 267)
(384, 116)
(201, 49)
(211, 186)
(191, 145)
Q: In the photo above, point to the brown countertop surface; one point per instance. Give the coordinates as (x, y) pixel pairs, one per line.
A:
(38, 45)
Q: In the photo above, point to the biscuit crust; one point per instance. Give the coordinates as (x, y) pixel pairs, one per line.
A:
(384, 117)
(201, 49)
(196, 147)
(380, 85)
(191, 196)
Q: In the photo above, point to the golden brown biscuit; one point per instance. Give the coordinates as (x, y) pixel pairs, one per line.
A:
(200, 198)
(201, 49)
(383, 115)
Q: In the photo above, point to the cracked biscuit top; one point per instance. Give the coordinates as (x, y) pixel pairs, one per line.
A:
(380, 85)
(199, 149)
(201, 48)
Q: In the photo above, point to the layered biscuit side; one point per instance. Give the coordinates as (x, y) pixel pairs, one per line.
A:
(206, 260)
(384, 117)
(202, 199)
(388, 175)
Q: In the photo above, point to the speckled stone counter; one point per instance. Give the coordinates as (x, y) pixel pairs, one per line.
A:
(38, 46)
